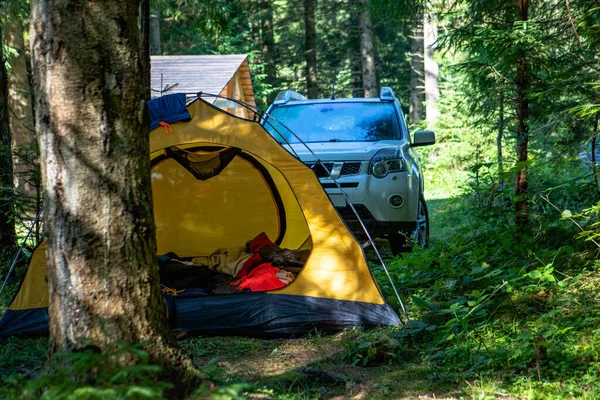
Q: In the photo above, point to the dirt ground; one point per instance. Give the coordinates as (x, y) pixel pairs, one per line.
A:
(308, 368)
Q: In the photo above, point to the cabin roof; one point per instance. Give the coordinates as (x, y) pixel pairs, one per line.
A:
(193, 74)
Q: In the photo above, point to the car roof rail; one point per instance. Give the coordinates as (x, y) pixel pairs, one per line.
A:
(386, 93)
(288, 95)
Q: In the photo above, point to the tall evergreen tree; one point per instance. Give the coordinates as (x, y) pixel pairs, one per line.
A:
(367, 51)
(93, 134)
(7, 226)
(522, 83)
(20, 103)
(310, 49)
(268, 45)
(431, 69)
(154, 32)
(417, 70)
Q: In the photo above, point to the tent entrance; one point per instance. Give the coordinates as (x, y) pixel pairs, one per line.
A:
(216, 207)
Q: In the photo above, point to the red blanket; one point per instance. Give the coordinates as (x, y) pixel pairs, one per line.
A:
(256, 274)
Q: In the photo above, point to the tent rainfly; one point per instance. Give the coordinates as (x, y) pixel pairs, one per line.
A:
(220, 181)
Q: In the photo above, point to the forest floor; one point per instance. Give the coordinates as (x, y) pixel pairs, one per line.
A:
(318, 366)
(307, 368)
(489, 358)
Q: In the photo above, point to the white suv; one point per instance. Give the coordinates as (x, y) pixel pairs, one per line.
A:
(362, 145)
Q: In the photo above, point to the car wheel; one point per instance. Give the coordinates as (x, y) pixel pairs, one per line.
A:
(399, 242)
(421, 234)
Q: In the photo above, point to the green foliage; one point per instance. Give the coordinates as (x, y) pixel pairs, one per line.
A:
(589, 223)
(92, 375)
(376, 347)
(483, 302)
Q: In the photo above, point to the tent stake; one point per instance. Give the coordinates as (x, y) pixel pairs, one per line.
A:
(37, 217)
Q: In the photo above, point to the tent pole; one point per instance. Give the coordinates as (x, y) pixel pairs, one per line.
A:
(35, 221)
(261, 113)
(319, 161)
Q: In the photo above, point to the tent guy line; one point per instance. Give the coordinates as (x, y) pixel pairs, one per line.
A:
(370, 241)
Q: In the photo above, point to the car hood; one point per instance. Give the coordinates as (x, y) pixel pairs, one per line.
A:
(339, 151)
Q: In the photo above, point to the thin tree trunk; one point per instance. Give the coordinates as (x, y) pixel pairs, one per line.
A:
(155, 44)
(417, 71)
(499, 139)
(7, 226)
(310, 49)
(354, 51)
(268, 46)
(432, 91)
(21, 115)
(93, 134)
(145, 48)
(594, 160)
(255, 21)
(367, 51)
(522, 81)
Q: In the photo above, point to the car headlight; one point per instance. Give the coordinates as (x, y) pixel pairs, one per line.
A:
(380, 169)
(386, 161)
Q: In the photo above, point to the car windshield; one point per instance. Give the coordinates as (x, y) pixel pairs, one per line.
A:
(333, 122)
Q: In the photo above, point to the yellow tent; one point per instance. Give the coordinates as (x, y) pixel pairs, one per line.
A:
(218, 181)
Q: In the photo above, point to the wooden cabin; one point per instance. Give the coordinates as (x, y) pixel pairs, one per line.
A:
(224, 75)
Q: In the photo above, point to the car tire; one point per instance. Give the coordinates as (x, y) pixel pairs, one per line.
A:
(421, 234)
(400, 243)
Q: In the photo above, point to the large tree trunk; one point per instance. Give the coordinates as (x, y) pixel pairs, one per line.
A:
(367, 51)
(155, 44)
(417, 71)
(21, 117)
(432, 91)
(93, 136)
(268, 46)
(7, 226)
(522, 81)
(310, 49)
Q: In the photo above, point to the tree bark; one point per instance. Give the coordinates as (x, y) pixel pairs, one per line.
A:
(7, 226)
(268, 46)
(155, 44)
(417, 71)
(432, 91)
(522, 82)
(367, 51)
(593, 156)
(145, 48)
(354, 51)
(310, 49)
(499, 139)
(93, 136)
(21, 116)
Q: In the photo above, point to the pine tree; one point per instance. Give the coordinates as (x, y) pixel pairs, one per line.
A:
(7, 226)
(101, 245)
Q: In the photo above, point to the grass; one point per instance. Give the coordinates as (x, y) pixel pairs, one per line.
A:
(493, 317)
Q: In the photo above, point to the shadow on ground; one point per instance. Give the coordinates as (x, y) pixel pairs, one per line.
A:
(307, 368)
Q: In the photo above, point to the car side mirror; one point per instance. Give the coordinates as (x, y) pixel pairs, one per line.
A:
(423, 138)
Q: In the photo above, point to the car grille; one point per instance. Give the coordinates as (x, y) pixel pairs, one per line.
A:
(349, 168)
(347, 213)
